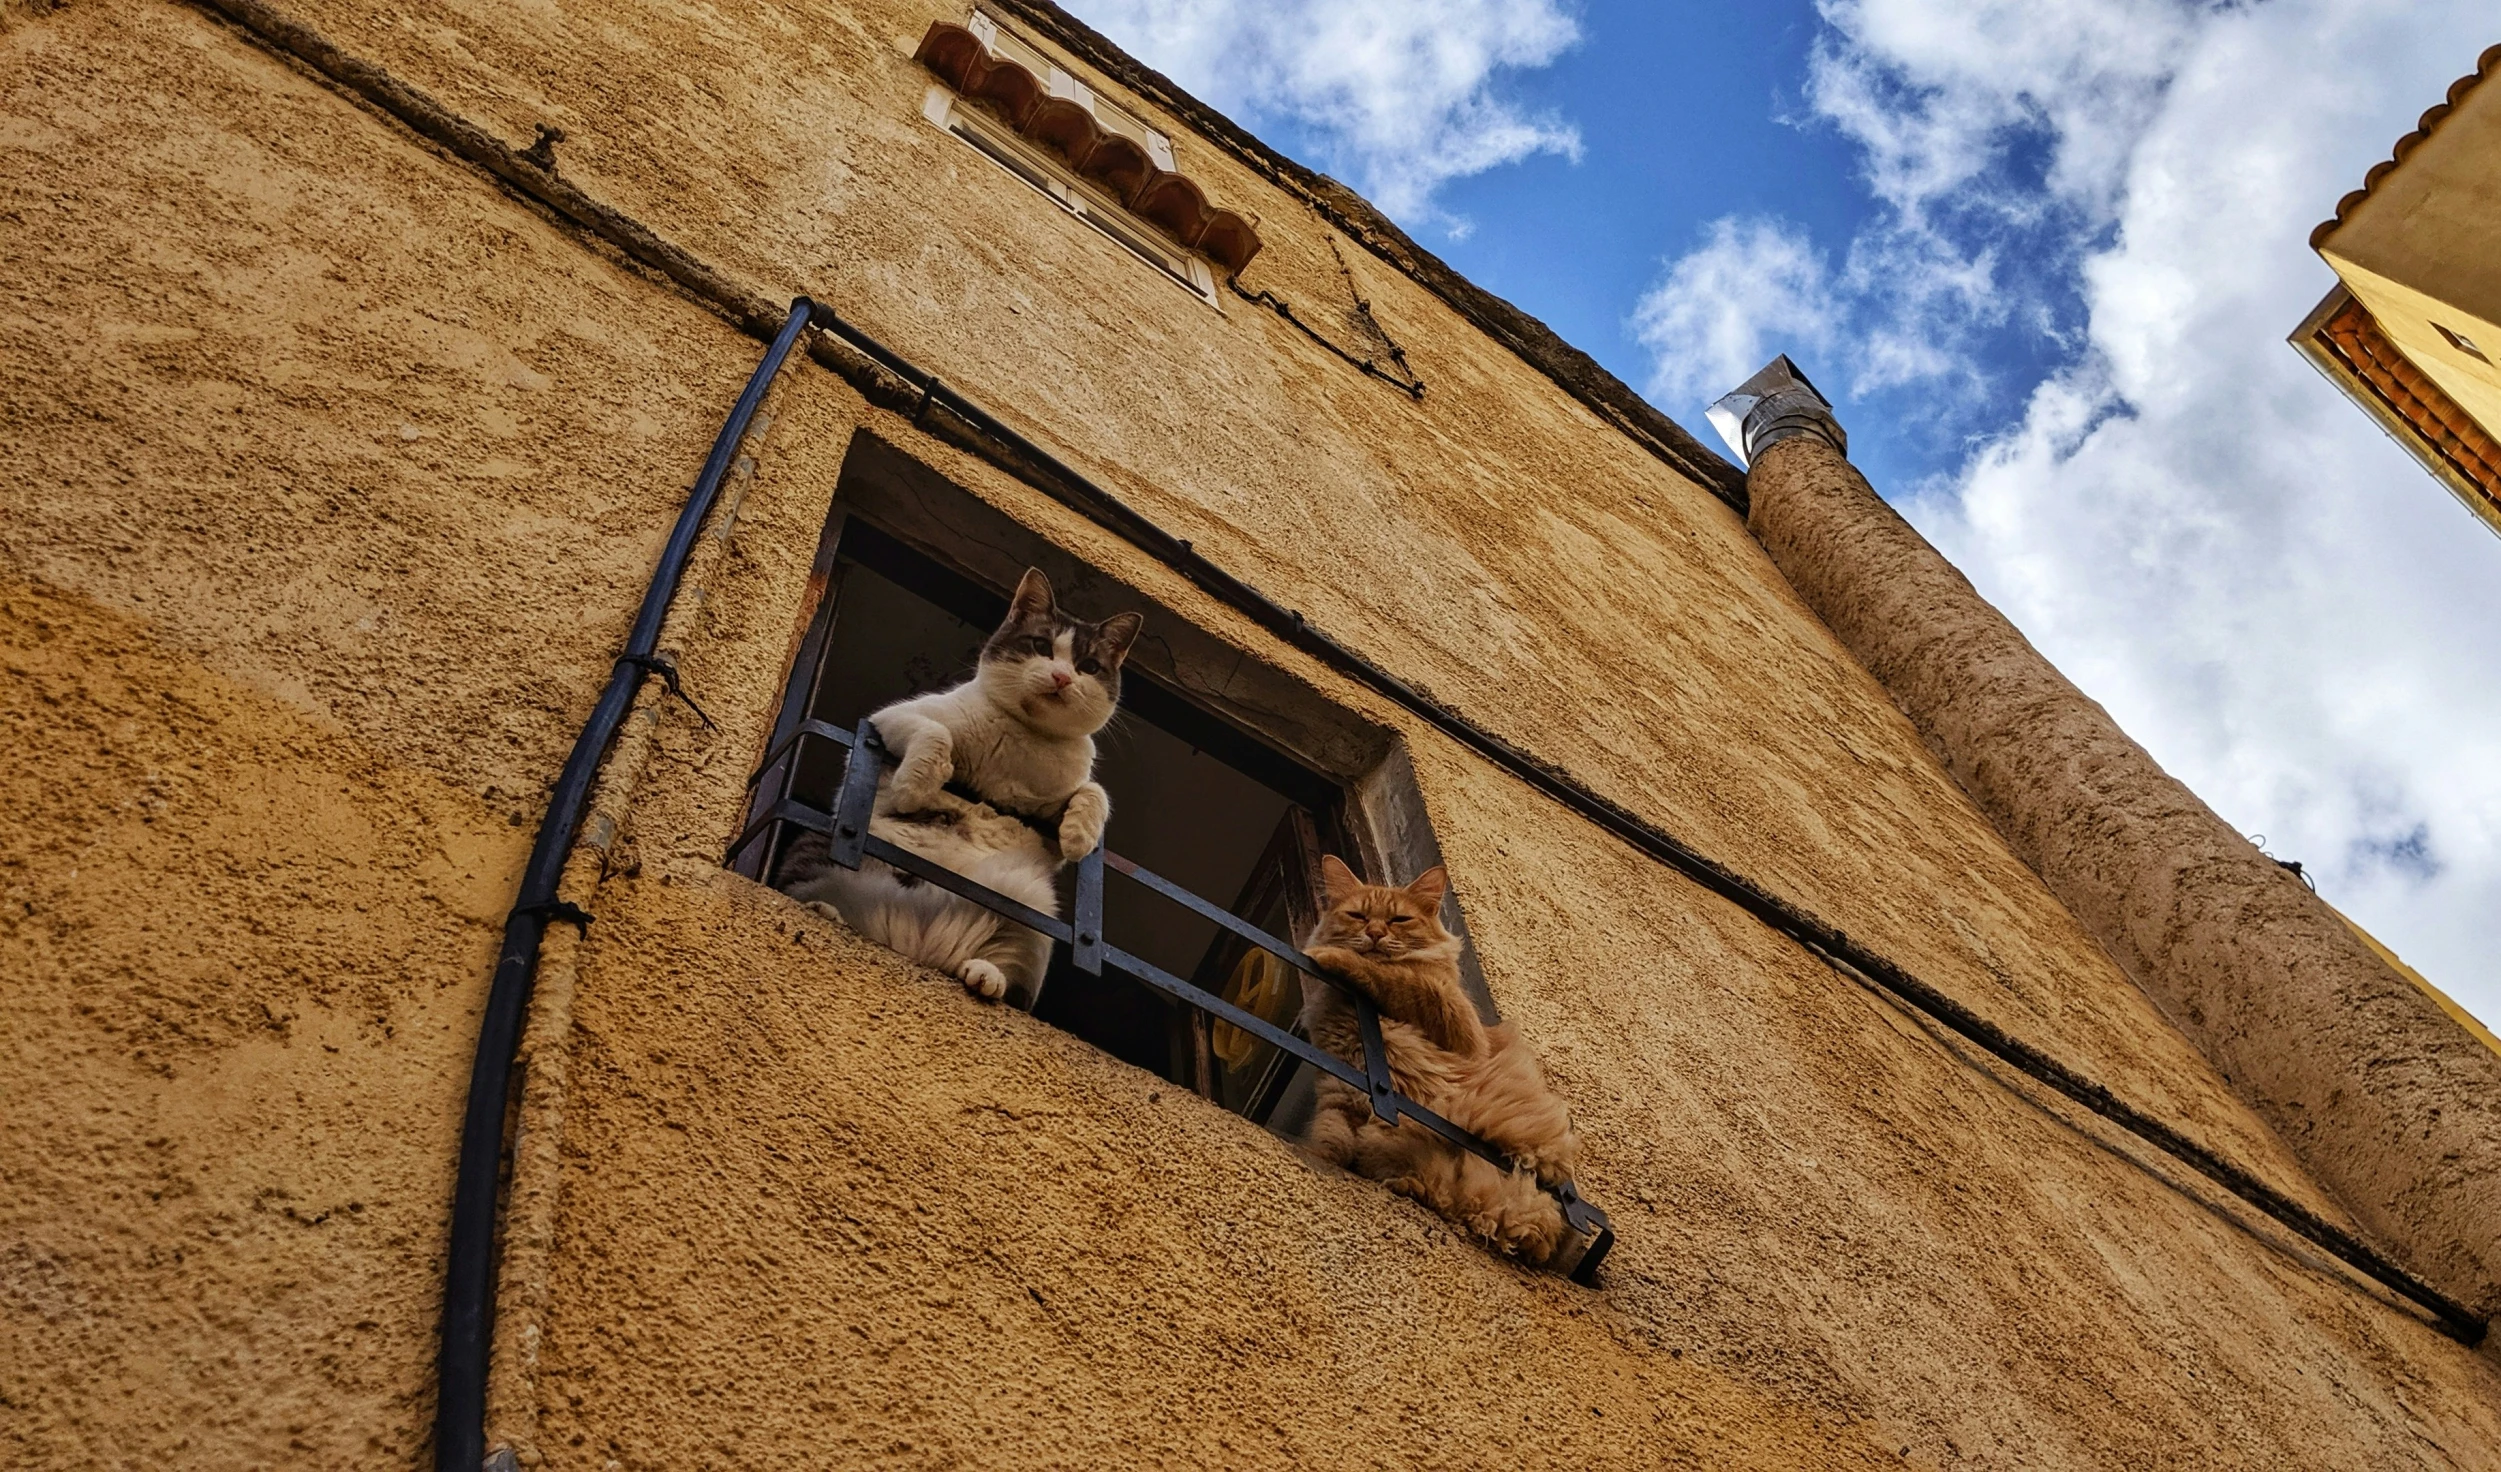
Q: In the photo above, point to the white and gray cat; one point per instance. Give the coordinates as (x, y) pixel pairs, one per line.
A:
(994, 779)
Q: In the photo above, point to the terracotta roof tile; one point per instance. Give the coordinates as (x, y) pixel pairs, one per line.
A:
(2355, 341)
(2485, 65)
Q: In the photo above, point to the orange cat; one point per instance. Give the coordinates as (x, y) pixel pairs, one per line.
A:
(1388, 942)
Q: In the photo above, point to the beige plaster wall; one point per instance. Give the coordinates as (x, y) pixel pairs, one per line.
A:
(328, 481)
(818, 1207)
(2419, 249)
(2430, 221)
(1493, 544)
(804, 1205)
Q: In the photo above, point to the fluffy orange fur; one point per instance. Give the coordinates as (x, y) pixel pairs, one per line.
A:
(1388, 941)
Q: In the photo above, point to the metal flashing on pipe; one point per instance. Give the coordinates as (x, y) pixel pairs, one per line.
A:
(1779, 402)
(469, 1271)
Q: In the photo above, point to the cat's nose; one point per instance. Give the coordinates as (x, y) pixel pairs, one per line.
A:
(1061, 679)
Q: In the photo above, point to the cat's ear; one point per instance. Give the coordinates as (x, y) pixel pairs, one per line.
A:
(1114, 635)
(1033, 598)
(1427, 888)
(1336, 879)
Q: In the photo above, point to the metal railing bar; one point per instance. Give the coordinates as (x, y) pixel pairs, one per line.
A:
(1385, 1103)
(800, 815)
(1086, 915)
(1374, 1078)
(1208, 910)
(1367, 1015)
(810, 727)
(980, 894)
(797, 814)
(1217, 1007)
(856, 803)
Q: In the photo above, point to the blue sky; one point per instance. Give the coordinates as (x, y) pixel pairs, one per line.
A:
(1686, 113)
(1681, 114)
(2044, 254)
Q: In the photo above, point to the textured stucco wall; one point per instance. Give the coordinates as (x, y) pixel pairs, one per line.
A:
(1493, 543)
(2393, 1105)
(328, 480)
(791, 1202)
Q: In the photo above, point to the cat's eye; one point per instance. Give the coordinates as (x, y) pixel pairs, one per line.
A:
(1088, 667)
(1402, 919)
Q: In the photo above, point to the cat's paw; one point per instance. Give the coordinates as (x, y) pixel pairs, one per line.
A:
(917, 783)
(1532, 1236)
(1336, 959)
(983, 979)
(1081, 826)
(829, 912)
(1550, 1166)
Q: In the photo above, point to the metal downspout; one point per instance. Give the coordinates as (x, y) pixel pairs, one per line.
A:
(469, 1272)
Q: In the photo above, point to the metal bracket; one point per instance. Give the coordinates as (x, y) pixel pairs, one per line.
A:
(858, 798)
(1376, 1061)
(559, 910)
(1085, 952)
(665, 666)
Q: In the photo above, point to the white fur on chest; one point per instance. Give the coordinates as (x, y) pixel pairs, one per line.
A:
(1002, 758)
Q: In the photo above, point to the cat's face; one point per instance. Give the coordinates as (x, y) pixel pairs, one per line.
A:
(1385, 920)
(1055, 673)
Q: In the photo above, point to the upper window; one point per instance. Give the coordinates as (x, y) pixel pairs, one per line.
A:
(1011, 102)
(1108, 115)
(996, 142)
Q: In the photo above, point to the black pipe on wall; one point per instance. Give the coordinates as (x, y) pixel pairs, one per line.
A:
(469, 1274)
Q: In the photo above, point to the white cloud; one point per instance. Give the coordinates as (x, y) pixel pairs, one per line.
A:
(1938, 95)
(1713, 319)
(1402, 94)
(1994, 137)
(2180, 512)
(2190, 520)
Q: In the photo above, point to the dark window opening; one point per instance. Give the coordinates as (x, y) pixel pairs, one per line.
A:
(1208, 806)
(2462, 343)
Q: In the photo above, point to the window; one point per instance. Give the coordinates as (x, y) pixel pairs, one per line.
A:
(995, 141)
(2462, 343)
(1109, 116)
(1228, 778)
(912, 575)
(1008, 100)
(1194, 801)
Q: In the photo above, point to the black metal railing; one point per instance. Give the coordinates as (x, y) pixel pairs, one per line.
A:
(849, 842)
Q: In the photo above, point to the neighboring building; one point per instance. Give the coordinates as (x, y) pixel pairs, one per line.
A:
(2412, 331)
(354, 366)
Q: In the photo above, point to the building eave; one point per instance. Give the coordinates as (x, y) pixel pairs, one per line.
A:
(2485, 66)
(2346, 344)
